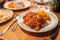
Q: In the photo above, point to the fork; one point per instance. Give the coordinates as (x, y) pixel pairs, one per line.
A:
(14, 28)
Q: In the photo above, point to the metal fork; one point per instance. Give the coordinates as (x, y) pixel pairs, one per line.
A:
(14, 28)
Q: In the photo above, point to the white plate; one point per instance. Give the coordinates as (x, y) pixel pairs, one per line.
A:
(26, 3)
(52, 25)
(7, 11)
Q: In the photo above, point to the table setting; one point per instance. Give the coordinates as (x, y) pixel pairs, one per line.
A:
(29, 20)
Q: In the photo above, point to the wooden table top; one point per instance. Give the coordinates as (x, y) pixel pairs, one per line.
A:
(21, 34)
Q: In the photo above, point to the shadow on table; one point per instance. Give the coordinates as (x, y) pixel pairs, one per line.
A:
(1, 24)
(38, 34)
(22, 10)
(49, 33)
(1, 39)
(59, 24)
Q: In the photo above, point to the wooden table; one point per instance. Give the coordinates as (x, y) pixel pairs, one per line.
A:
(21, 34)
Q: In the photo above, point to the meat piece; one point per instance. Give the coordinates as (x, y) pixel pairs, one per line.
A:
(34, 20)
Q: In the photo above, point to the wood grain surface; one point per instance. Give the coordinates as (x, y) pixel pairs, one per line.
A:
(21, 34)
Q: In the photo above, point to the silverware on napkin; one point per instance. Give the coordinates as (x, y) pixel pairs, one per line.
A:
(6, 29)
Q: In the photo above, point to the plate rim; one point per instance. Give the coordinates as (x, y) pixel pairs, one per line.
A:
(15, 8)
(41, 31)
(9, 17)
